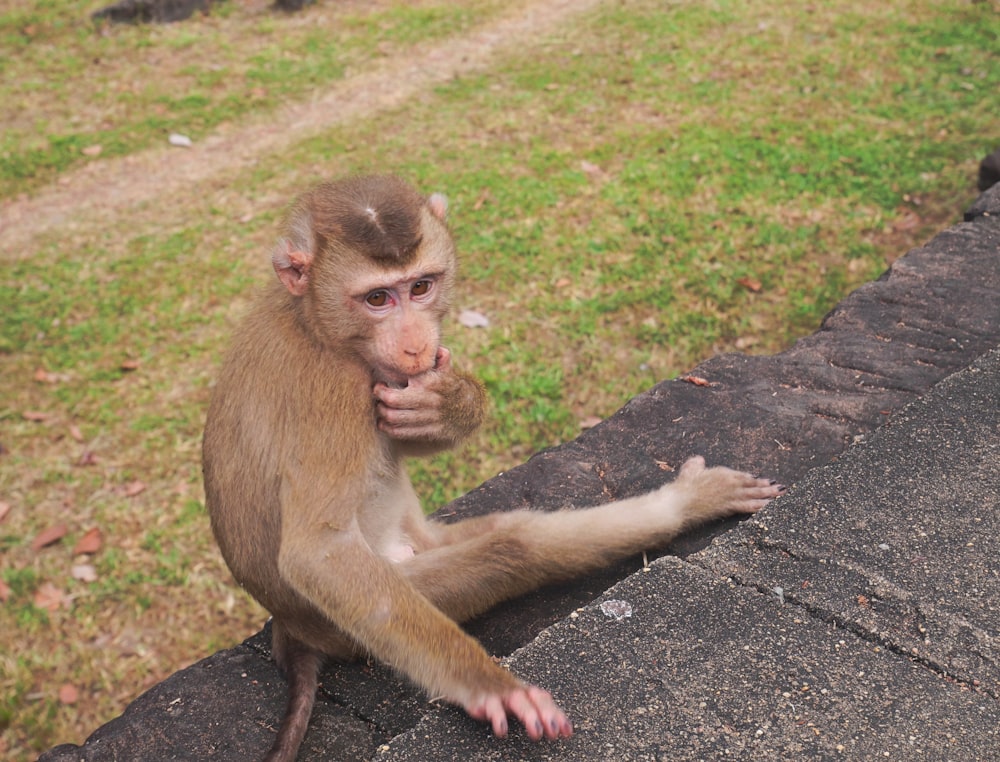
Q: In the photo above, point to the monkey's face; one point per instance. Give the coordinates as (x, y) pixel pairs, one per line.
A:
(402, 311)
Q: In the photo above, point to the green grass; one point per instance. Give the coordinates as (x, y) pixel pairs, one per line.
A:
(613, 190)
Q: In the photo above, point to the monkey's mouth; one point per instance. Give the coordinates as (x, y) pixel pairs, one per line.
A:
(392, 380)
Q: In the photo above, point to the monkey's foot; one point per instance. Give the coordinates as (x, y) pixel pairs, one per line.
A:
(722, 491)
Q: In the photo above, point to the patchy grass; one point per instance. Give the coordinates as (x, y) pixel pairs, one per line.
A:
(657, 183)
(72, 90)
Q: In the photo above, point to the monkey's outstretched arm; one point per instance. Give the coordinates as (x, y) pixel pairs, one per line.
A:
(366, 597)
(434, 411)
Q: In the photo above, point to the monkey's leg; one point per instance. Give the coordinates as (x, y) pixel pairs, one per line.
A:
(301, 666)
(493, 558)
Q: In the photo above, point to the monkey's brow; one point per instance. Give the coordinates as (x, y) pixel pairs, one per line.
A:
(390, 283)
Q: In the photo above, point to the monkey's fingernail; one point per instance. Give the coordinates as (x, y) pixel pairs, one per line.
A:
(538, 727)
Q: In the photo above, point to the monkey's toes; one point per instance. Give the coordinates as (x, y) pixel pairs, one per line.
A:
(755, 493)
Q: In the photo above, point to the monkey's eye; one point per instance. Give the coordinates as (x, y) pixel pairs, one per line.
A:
(378, 298)
(420, 288)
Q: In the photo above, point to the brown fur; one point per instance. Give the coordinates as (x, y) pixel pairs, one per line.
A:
(336, 374)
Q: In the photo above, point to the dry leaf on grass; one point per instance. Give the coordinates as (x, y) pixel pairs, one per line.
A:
(4, 510)
(36, 416)
(68, 694)
(473, 319)
(88, 458)
(48, 536)
(84, 573)
(90, 543)
(134, 488)
(4, 591)
(751, 284)
(49, 597)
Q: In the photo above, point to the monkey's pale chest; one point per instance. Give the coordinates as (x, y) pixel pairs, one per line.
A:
(392, 503)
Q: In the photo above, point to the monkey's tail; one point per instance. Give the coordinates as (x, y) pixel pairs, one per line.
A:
(302, 666)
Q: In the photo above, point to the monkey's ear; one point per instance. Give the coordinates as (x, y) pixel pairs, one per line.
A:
(292, 267)
(438, 204)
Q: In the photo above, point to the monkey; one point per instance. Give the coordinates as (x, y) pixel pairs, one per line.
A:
(336, 375)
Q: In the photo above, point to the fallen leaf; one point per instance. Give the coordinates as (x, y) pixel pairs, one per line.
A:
(482, 199)
(74, 431)
(908, 221)
(35, 416)
(590, 421)
(94, 150)
(473, 319)
(43, 376)
(4, 510)
(664, 466)
(4, 591)
(90, 543)
(68, 694)
(49, 597)
(562, 282)
(134, 488)
(751, 284)
(84, 572)
(697, 380)
(88, 459)
(48, 536)
(130, 365)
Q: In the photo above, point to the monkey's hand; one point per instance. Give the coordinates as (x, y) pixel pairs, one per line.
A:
(434, 410)
(532, 706)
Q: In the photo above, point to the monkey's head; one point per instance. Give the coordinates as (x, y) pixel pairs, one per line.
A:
(370, 265)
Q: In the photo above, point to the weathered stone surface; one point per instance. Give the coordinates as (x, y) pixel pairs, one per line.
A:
(856, 618)
(933, 313)
(222, 708)
(986, 205)
(898, 542)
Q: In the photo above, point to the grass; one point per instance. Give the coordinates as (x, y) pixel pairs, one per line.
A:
(653, 184)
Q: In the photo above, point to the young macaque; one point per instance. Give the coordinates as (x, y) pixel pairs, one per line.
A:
(335, 376)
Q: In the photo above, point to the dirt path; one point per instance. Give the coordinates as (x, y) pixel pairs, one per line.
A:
(99, 192)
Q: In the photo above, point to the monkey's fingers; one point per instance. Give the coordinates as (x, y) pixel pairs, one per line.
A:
(539, 714)
(491, 710)
(442, 360)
